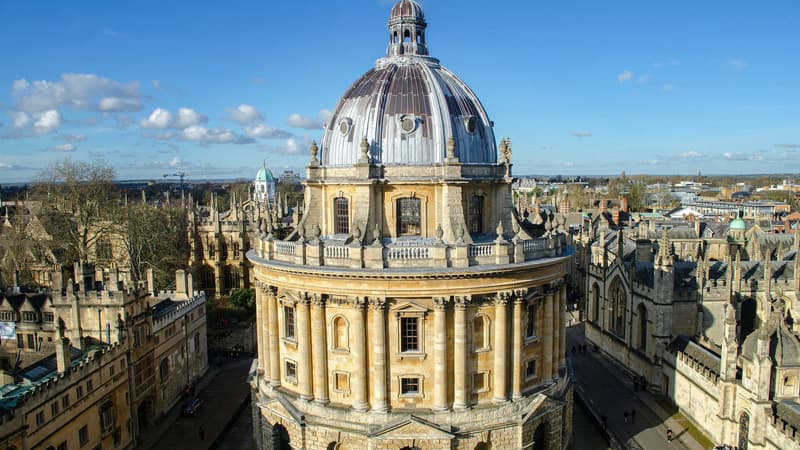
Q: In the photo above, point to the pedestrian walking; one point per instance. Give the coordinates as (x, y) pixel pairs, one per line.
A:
(669, 434)
(633, 415)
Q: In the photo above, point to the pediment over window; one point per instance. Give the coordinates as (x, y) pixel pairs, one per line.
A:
(412, 428)
(410, 308)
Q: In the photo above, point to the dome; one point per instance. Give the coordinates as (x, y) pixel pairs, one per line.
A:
(407, 9)
(408, 106)
(264, 174)
(737, 224)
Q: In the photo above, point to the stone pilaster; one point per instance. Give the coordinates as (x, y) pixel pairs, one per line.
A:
(274, 347)
(260, 322)
(516, 347)
(440, 354)
(319, 350)
(359, 358)
(460, 353)
(304, 372)
(562, 350)
(547, 338)
(500, 348)
(556, 330)
(379, 354)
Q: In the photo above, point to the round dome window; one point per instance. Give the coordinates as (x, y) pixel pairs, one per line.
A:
(470, 124)
(345, 125)
(408, 123)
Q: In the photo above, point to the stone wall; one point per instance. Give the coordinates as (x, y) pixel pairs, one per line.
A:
(695, 392)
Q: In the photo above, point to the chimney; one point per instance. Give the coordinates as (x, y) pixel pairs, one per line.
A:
(151, 282)
(180, 283)
(615, 215)
(602, 206)
(63, 357)
(697, 226)
(16, 278)
(623, 202)
(189, 284)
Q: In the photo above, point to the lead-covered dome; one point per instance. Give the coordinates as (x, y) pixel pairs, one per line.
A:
(407, 107)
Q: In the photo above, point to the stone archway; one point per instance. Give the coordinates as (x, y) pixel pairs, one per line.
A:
(280, 438)
(483, 446)
(539, 437)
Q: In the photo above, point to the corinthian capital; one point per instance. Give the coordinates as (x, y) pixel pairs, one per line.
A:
(461, 301)
(377, 303)
(440, 302)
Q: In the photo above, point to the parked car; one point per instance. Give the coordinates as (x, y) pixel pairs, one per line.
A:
(190, 406)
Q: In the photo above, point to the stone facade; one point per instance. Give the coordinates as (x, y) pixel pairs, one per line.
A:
(411, 307)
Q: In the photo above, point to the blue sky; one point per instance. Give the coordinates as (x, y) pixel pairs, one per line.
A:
(215, 88)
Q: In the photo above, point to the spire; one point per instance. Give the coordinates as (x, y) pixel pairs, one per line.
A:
(664, 257)
(407, 30)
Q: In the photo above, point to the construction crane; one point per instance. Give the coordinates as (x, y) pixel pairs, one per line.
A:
(180, 175)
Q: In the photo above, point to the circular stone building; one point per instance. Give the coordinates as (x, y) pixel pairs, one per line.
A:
(412, 308)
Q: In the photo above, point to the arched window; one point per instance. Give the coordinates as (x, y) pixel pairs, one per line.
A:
(341, 213)
(616, 295)
(107, 416)
(744, 430)
(280, 438)
(596, 303)
(163, 368)
(483, 446)
(340, 333)
(406, 36)
(395, 38)
(476, 214)
(480, 333)
(641, 312)
(408, 217)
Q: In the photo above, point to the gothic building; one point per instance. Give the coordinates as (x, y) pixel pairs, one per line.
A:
(411, 308)
(706, 315)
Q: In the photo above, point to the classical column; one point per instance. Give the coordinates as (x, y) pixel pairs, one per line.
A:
(516, 347)
(379, 351)
(319, 350)
(564, 319)
(274, 348)
(547, 339)
(262, 344)
(359, 358)
(500, 348)
(556, 330)
(304, 347)
(460, 353)
(440, 354)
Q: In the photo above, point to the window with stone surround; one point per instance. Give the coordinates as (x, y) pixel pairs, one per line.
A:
(341, 218)
(410, 386)
(530, 328)
(288, 322)
(480, 333)
(290, 371)
(107, 416)
(409, 222)
(409, 334)
(410, 323)
(341, 382)
(475, 214)
(530, 369)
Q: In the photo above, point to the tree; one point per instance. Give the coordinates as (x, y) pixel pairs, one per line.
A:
(78, 198)
(244, 298)
(637, 196)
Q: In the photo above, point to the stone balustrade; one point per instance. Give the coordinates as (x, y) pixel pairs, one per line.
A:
(409, 253)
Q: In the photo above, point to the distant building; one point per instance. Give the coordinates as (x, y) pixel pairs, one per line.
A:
(264, 186)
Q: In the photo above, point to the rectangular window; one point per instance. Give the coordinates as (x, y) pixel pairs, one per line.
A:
(62, 446)
(531, 325)
(288, 322)
(29, 316)
(409, 334)
(65, 402)
(476, 214)
(79, 392)
(83, 436)
(479, 383)
(89, 386)
(408, 219)
(291, 371)
(530, 369)
(48, 316)
(31, 341)
(39, 418)
(341, 382)
(54, 409)
(342, 219)
(111, 371)
(20, 341)
(409, 386)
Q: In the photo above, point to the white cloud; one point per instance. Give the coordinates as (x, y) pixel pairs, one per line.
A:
(266, 132)
(300, 121)
(156, 84)
(245, 114)
(187, 117)
(47, 122)
(164, 136)
(74, 137)
(19, 119)
(65, 148)
(159, 118)
(292, 146)
(581, 134)
(82, 91)
(758, 155)
(738, 63)
(117, 104)
(197, 133)
(626, 75)
(692, 154)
